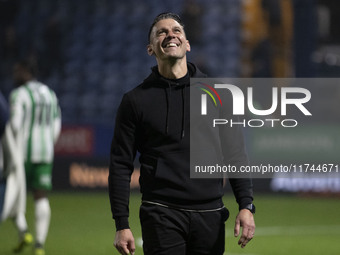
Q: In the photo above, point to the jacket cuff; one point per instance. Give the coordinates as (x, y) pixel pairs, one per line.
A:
(122, 223)
(243, 204)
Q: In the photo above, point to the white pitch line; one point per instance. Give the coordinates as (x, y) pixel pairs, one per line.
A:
(139, 241)
(298, 230)
(283, 230)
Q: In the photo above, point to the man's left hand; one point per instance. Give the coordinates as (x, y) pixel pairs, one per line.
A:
(244, 219)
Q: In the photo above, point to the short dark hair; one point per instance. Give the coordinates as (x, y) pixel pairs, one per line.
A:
(165, 15)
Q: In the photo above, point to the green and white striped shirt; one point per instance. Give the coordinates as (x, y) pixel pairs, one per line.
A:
(35, 120)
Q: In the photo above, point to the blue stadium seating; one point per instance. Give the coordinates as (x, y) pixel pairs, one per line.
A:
(104, 48)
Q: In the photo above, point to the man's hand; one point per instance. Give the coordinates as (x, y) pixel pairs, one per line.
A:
(244, 219)
(124, 242)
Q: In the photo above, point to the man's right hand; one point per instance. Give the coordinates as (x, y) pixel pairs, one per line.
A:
(124, 242)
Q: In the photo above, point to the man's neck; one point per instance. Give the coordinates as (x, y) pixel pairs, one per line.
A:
(175, 70)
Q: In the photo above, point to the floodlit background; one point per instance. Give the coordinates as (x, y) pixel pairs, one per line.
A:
(92, 51)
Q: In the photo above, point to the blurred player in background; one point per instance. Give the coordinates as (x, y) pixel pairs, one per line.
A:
(179, 215)
(12, 176)
(36, 122)
(3, 114)
(3, 121)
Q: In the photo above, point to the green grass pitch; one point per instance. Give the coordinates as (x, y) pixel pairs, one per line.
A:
(286, 225)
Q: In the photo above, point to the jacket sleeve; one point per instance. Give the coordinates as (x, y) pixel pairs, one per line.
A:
(17, 110)
(123, 152)
(234, 153)
(56, 119)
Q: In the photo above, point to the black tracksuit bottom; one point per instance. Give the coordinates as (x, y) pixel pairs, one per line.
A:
(170, 231)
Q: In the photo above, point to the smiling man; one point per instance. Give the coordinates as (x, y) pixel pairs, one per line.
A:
(178, 215)
(168, 43)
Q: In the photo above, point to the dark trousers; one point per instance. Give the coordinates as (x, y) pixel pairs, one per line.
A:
(168, 231)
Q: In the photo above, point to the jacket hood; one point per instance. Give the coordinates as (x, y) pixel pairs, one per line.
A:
(155, 76)
(156, 79)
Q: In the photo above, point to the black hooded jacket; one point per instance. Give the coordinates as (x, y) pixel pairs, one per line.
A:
(153, 119)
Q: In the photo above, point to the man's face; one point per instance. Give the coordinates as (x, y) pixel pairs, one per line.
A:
(168, 40)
